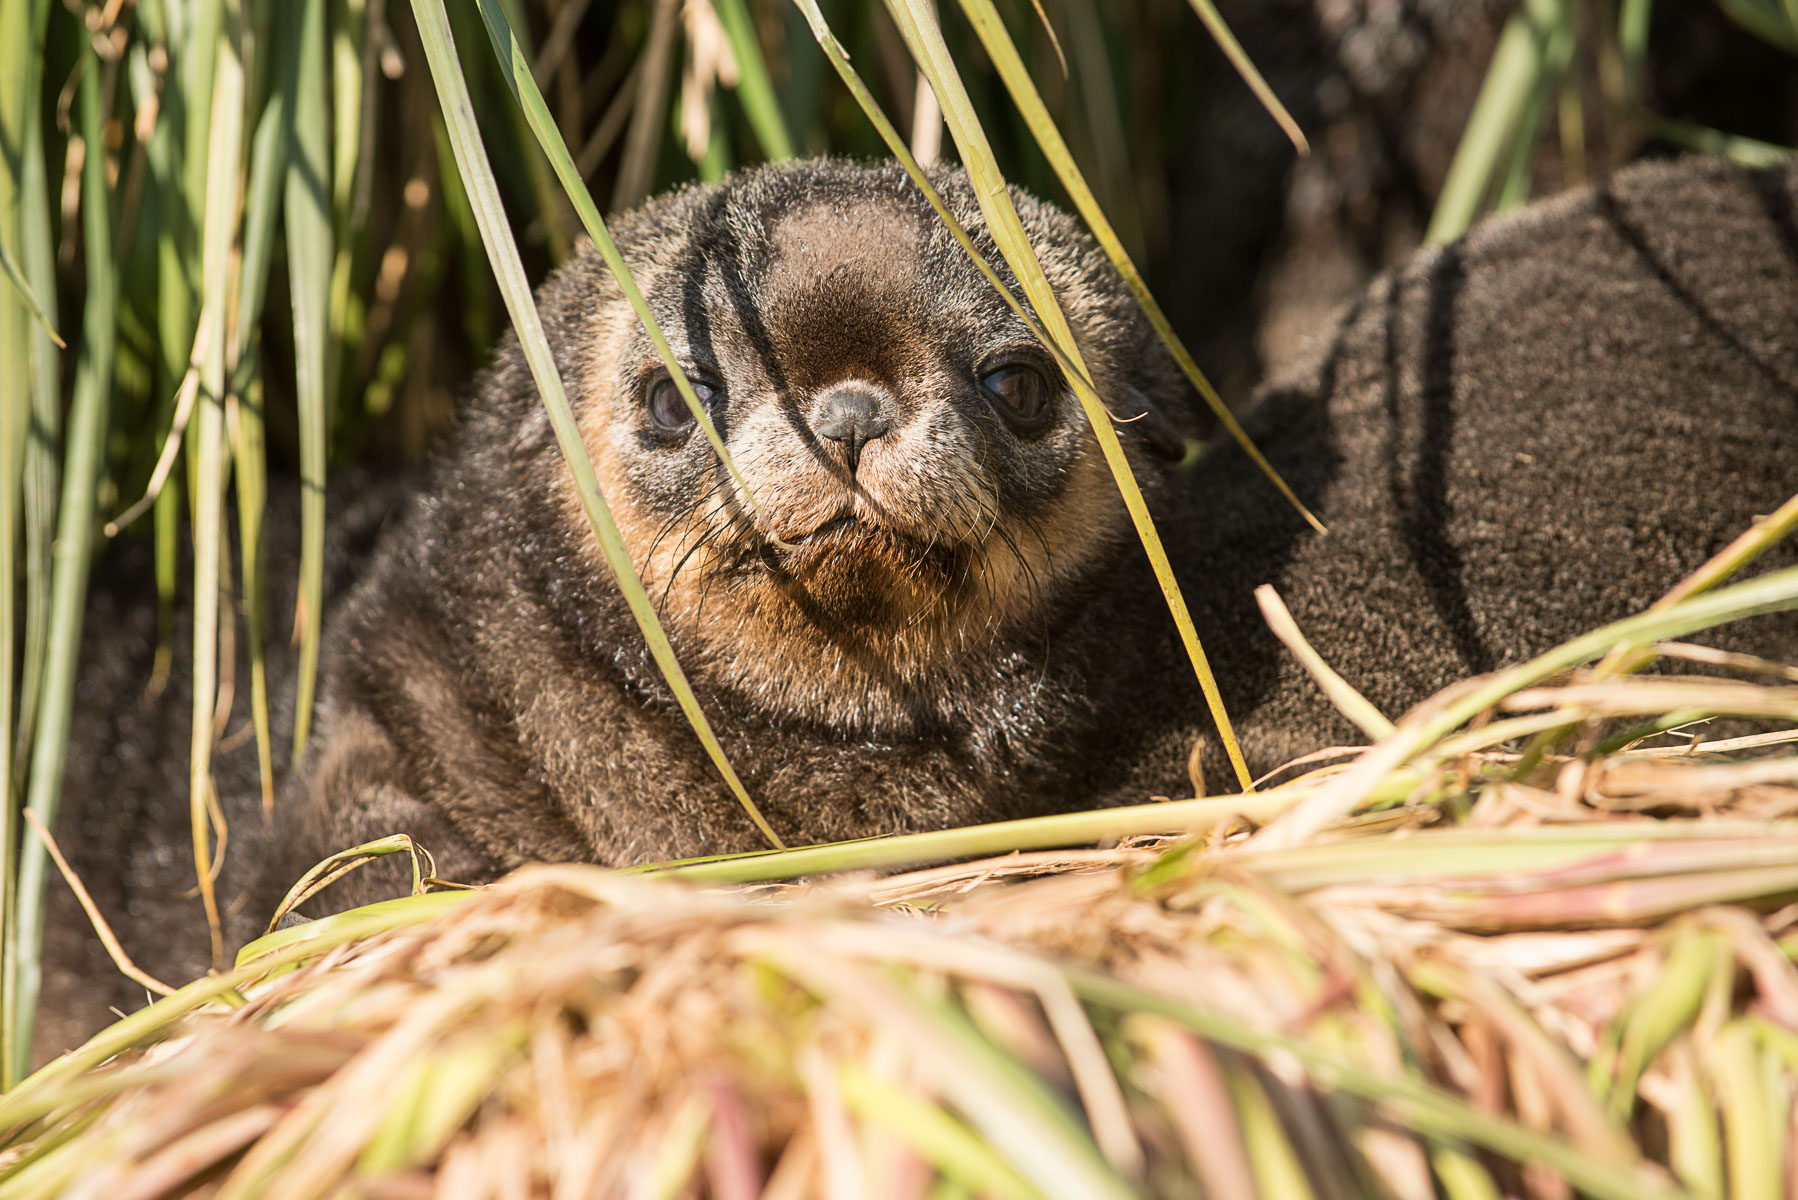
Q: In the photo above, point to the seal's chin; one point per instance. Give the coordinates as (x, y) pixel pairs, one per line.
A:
(844, 525)
(849, 544)
(859, 571)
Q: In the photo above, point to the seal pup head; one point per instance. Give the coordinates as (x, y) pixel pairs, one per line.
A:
(931, 498)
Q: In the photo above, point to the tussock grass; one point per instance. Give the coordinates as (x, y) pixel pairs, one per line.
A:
(1505, 971)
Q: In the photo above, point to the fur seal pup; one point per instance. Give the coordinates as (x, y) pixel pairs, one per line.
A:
(945, 515)
(1513, 439)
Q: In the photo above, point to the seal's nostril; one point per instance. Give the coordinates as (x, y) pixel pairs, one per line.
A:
(852, 415)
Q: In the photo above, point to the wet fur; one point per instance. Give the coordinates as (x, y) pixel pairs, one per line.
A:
(1513, 439)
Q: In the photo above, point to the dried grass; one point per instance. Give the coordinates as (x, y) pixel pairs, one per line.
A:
(1554, 992)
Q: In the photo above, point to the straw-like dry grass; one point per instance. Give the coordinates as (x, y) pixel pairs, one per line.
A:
(1569, 972)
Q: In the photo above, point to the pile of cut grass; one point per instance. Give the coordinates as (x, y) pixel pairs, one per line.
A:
(1561, 960)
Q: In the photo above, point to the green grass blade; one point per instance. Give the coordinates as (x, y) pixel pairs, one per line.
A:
(310, 257)
(321, 875)
(1694, 1141)
(1753, 1102)
(176, 259)
(1665, 1010)
(1632, 45)
(312, 938)
(41, 465)
(1519, 170)
(248, 453)
(76, 519)
(197, 66)
(166, 517)
(13, 425)
(1512, 79)
(35, 465)
(515, 69)
(175, 331)
(1000, 837)
(345, 128)
(1777, 25)
(1461, 1176)
(1745, 150)
(23, 291)
(1004, 54)
(679, 1149)
(348, 24)
(1553, 49)
(212, 461)
(17, 82)
(483, 195)
(39, 1094)
(1271, 1153)
(754, 88)
(173, 142)
(262, 204)
(268, 165)
(1226, 41)
(918, 26)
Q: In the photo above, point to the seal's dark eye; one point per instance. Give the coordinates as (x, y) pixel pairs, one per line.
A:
(1020, 392)
(668, 408)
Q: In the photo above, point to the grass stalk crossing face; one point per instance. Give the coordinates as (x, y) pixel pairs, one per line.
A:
(483, 194)
(925, 41)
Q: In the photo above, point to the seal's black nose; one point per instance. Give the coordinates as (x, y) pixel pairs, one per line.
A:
(851, 414)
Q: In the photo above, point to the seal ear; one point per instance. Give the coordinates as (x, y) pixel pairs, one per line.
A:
(1158, 432)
